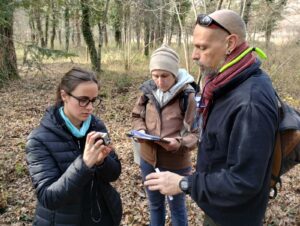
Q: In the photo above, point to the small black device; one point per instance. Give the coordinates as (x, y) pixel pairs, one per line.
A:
(104, 137)
(184, 185)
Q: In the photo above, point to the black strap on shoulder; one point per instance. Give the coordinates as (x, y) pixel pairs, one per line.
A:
(185, 101)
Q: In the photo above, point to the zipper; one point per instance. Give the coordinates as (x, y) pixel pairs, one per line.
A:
(79, 146)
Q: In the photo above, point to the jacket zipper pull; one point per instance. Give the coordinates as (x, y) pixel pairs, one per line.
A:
(79, 146)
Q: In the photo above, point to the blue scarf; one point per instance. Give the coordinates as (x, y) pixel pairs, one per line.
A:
(76, 132)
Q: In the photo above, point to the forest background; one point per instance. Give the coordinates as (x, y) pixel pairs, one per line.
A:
(41, 39)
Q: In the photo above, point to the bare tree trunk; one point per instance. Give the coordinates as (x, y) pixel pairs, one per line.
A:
(77, 28)
(105, 35)
(219, 6)
(228, 4)
(118, 37)
(184, 43)
(138, 33)
(8, 59)
(32, 28)
(100, 44)
(205, 7)
(72, 33)
(117, 26)
(273, 18)
(161, 24)
(127, 35)
(39, 27)
(67, 27)
(101, 28)
(146, 34)
(59, 37)
(46, 28)
(179, 36)
(54, 24)
(171, 30)
(194, 9)
(245, 10)
(88, 35)
(152, 34)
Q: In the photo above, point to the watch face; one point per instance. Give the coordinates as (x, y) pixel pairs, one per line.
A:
(184, 185)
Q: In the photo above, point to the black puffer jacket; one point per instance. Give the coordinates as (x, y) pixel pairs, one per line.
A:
(69, 192)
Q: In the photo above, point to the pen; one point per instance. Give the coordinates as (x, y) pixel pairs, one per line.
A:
(169, 196)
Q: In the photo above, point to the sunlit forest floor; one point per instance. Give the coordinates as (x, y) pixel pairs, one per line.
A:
(22, 104)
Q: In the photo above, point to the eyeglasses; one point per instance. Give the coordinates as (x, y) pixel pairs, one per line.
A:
(84, 101)
(205, 20)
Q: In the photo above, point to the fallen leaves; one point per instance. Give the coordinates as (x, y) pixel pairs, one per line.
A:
(22, 105)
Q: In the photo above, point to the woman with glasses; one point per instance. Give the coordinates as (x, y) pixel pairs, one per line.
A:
(166, 108)
(70, 162)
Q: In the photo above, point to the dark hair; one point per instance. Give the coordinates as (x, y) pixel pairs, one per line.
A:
(72, 79)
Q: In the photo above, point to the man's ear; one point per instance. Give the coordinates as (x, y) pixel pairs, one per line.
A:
(232, 42)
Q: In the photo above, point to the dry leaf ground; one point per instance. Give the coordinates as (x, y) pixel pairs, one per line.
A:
(22, 104)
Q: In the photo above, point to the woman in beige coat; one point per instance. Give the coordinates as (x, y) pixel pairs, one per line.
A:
(166, 108)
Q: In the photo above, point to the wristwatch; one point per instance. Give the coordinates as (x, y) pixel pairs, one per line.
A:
(184, 185)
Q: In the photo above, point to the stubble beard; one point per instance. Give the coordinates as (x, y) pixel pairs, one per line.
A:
(210, 72)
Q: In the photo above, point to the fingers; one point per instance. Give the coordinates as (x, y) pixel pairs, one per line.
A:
(173, 144)
(93, 138)
(138, 140)
(154, 188)
(95, 151)
(103, 153)
(152, 176)
(152, 181)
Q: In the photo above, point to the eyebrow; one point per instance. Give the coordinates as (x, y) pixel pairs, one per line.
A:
(160, 74)
(86, 97)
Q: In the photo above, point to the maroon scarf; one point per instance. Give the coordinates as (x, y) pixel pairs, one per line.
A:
(211, 84)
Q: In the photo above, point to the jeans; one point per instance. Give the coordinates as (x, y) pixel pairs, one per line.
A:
(156, 201)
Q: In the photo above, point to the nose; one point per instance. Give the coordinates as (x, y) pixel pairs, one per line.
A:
(195, 54)
(90, 106)
(160, 80)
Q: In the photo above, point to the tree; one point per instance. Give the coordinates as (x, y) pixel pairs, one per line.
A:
(88, 35)
(100, 17)
(8, 60)
(245, 10)
(147, 26)
(276, 8)
(67, 25)
(54, 22)
(115, 17)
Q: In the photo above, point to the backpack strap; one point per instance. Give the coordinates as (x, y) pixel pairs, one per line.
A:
(184, 101)
(184, 96)
(276, 166)
(276, 163)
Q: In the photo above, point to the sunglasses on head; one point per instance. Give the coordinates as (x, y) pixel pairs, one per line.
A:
(205, 20)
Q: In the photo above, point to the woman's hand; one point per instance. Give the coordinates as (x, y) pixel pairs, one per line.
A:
(94, 152)
(104, 153)
(173, 144)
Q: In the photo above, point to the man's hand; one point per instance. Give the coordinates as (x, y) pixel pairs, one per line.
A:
(166, 182)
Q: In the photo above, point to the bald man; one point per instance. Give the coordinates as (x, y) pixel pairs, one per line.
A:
(238, 119)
